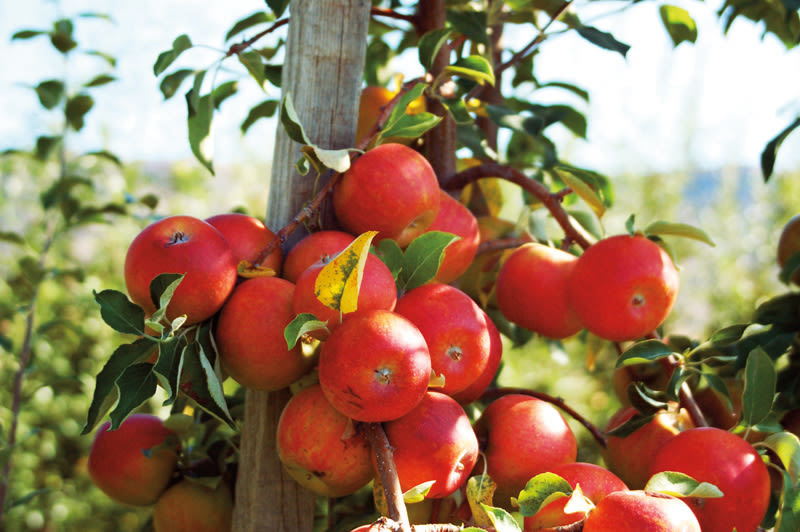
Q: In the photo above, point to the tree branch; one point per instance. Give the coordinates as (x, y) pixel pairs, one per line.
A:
(388, 474)
(552, 202)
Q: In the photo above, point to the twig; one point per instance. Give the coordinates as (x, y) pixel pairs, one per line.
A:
(552, 202)
(238, 48)
(494, 393)
(388, 474)
(687, 401)
(500, 244)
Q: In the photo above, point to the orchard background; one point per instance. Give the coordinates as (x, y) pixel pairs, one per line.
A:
(70, 207)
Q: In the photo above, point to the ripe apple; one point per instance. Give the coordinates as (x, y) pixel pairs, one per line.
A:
(623, 287)
(460, 338)
(316, 449)
(434, 441)
(250, 339)
(319, 246)
(377, 291)
(247, 236)
(184, 245)
(525, 436)
(455, 218)
(639, 511)
(715, 407)
(118, 466)
(709, 454)
(189, 506)
(391, 189)
(532, 290)
(370, 105)
(375, 366)
(789, 244)
(629, 457)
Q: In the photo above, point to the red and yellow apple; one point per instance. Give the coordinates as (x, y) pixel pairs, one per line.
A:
(189, 506)
(319, 246)
(639, 511)
(455, 218)
(248, 237)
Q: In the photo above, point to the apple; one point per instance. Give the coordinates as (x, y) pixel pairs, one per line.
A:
(455, 218)
(709, 454)
(639, 511)
(189, 506)
(370, 105)
(623, 287)
(375, 366)
(319, 447)
(629, 457)
(460, 339)
(532, 290)
(319, 246)
(183, 245)
(525, 436)
(595, 483)
(248, 237)
(434, 441)
(118, 466)
(391, 189)
(378, 291)
(249, 335)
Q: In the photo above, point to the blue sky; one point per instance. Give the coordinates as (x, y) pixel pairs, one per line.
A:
(710, 105)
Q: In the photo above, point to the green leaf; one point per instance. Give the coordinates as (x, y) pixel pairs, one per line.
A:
(11, 238)
(61, 36)
(172, 82)
(28, 497)
(108, 58)
(166, 58)
(199, 125)
(469, 23)
(259, 17)
(458, 110)
(430, 44)
(474, 67)
(418, 492)
(786, 446)
(632, 425)
(759, 387)
(678, 23)
(99, 80)
(119, 313)
(543, 487)
(391, 255)
(291, 122)
(791, 266)
(574, 89)
(265, 109)
(643, 352)
(123, 357)
(50, 93)
(603, 39)
(162, 288)
(273, 74)
(771, 149)
(338, 160)
(501, 519)
(27, 34)
(681, 485)
(789, 514)
(678, 229)
(400, 109)
(76, 109)
(168, 365)
(255, 65)
(302, 324)
(629, 224)
(409, 126)
(100, 16)
(201, 384)
(422, 258)
(136, 385)
(104, 154)
(585, 192)
(278, 6)
(717, 383)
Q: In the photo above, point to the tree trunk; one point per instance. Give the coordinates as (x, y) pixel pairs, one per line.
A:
(322, 71)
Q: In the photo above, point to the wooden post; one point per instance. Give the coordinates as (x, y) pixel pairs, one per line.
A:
(322, 70)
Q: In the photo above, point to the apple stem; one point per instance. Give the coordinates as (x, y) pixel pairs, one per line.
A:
(687, 401)
(551, 201)
(384, 460)
(495, 393)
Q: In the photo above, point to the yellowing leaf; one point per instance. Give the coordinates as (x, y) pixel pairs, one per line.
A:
(493, 193)
(585, 192)
(418, 492)
(339, 281)
(480, 490)
(436, 381)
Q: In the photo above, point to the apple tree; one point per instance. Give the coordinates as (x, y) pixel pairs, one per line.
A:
(352, 380)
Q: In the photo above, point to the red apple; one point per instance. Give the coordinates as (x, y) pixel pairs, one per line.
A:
(455, 218)
(184, 245)
(629, 457)
(377, 292)
(391, 189)
(639, 511)
(247, 237)
(724, 459)
(525, 436)
(532, 289)
(375, 366)
(189, 506)
(250, 339)
(595, 483)
(319, 246)
(434, 441)
(460, 338)
(316, 449)
(118, 466)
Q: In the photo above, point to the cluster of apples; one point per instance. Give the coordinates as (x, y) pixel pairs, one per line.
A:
(620, 289)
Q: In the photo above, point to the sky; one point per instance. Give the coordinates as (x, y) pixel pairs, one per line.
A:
(708, 105)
